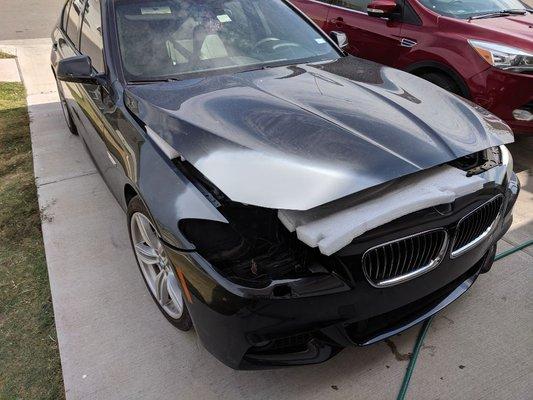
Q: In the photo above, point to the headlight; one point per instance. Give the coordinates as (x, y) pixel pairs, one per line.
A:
(503, 57)
(507, 160)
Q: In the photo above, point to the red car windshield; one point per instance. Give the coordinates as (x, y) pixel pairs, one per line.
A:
(474, 8)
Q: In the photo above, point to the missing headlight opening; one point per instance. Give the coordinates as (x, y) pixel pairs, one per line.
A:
(479, 162)
(260, 245)
(254, 248)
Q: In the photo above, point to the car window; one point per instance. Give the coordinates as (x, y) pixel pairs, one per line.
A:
(74, 21)
(471, 8)
(171, 38)
(358, 5)
(91, 42)
(64, 15)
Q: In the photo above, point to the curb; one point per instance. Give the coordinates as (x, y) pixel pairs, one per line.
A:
(9, 67)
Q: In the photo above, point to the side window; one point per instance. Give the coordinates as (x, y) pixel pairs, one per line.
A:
(91, 43)
(64, 15)
(357, 5)
(410, 16)
(74, 21)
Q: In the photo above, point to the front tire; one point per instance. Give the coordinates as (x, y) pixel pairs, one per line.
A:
(443, 81)
(66, 112)
(158, 272)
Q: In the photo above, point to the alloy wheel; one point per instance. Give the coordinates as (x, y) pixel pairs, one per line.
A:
(155, 266)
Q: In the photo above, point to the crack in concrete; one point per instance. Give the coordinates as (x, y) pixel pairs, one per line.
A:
(66, 179)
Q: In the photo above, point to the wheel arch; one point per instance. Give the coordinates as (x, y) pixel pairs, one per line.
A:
(129, 193)
(423, 67)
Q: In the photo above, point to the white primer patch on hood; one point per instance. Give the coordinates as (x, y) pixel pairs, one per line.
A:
(335, 225)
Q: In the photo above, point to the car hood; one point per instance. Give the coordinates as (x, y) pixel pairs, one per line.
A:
(517, 29)
(297, 137)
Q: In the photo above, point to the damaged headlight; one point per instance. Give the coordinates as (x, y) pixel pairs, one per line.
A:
(503, 57)
(507, 160)
(253, 248)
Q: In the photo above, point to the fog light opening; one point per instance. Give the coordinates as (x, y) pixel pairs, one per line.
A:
(282, 291)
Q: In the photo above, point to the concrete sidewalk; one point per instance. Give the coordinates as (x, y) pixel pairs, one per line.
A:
(114, 343)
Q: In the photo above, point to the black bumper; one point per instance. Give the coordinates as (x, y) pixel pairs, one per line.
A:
(248, 328)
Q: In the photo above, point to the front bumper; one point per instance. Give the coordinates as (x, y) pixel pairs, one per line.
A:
(315, 318)
(501, 93)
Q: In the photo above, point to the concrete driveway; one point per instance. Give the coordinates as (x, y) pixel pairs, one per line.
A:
(28, 19)
(114, 343)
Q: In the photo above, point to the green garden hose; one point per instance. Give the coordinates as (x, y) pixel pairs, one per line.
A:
(513, 250)
(425, 328)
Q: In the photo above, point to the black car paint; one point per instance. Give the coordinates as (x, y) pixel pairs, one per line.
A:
(231, 319)
(368, 123)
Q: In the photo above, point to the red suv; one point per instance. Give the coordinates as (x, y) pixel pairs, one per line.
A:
(480, 49)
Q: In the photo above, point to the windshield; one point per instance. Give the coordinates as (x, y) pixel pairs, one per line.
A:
(174, 38)
(472, 8)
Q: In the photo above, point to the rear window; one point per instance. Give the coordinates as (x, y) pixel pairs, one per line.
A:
(64, 16)
(358, 5)
(91, 42)
(73, 23)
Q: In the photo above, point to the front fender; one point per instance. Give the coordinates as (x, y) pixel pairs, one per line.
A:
(170, 196)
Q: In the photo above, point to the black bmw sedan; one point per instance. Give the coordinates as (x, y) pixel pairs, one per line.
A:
(283, 198)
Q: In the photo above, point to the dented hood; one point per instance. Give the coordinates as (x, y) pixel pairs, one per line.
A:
(300, 136)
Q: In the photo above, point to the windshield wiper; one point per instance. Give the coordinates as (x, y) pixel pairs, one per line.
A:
(502, 13)
(147, 81)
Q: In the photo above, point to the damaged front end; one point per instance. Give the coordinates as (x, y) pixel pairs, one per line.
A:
(253, 248)
(256, 247)
(263, 298)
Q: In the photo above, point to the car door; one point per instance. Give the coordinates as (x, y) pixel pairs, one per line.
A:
(376, 39)
(111, 152)
(415, 35)
(65, 44)
(317, 10)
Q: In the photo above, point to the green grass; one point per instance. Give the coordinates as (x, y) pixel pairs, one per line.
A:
(5, 55)
(29, 357)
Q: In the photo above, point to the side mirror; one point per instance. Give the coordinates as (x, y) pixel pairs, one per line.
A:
(382, 8)
(78, 69)
(339, 38)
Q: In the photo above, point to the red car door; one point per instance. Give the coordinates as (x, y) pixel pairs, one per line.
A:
(317, 10)
(376, 39)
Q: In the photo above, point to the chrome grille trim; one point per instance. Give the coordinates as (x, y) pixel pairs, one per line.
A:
(476, 226)
(400, 260)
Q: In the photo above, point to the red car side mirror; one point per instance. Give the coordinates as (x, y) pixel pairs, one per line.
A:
(381, 8)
